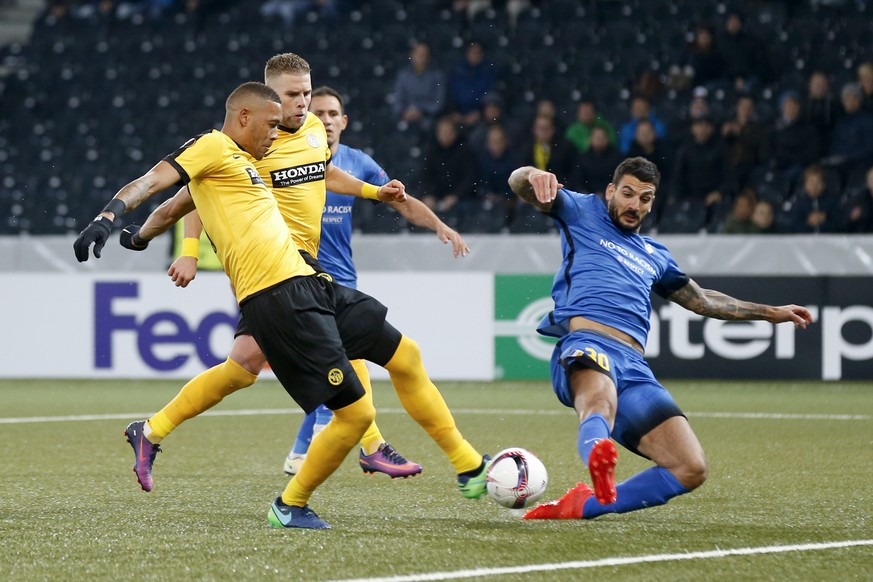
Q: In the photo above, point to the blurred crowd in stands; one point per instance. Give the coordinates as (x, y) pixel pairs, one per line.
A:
(758, 113)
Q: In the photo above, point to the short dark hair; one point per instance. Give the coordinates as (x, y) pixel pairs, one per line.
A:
(325, 91)
(640, 168)
(251, 89)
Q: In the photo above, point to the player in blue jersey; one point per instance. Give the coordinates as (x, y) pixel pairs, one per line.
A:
(601, 317)
(335, 255)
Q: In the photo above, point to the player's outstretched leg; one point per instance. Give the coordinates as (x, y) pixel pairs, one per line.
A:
(144, 453)
(569, 506)
(649, 488)
(426, 406)
(200, 394)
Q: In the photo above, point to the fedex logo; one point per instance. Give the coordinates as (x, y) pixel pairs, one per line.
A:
(165, 340)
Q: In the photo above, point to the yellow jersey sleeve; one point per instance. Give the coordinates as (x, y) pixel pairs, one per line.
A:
(196, 160)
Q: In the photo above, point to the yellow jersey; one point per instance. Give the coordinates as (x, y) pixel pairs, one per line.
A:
(239, 213)
(295, 169)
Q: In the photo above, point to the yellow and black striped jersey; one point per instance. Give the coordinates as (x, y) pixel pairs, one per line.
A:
(295, 169)
(239, 213)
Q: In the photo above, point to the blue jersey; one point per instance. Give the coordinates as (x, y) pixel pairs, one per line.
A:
(607, 274)
(335, 249)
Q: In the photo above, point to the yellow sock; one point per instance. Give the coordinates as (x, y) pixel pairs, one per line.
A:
(425, 404)
(373, 437)
(329, 448)
(200, 394)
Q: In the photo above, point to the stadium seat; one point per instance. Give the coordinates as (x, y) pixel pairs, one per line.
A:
(682, 217)
(561, 48)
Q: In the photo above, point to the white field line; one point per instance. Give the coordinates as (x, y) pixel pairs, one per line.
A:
(617, 561)
(388, 410)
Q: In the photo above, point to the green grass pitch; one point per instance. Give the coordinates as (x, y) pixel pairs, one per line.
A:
(790, 464)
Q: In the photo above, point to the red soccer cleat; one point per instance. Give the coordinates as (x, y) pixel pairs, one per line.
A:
(601, 465)
(567, 507)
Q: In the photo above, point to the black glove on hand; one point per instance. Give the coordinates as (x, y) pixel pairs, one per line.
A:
(130, 238)
(96, 232)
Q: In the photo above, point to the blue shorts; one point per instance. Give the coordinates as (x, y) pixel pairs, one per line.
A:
(643, 403)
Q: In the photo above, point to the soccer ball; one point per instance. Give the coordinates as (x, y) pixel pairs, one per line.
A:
(516, 477)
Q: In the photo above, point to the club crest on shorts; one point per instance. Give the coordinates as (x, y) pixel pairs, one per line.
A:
(335, 376)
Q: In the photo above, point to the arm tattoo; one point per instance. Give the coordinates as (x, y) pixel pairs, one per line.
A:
(519, 183)
(134, 193)
(717, 305)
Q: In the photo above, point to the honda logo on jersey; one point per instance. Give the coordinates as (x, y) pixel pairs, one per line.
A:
(298, 175)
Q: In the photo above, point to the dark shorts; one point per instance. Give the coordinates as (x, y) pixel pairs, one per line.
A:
(643, 403)
(294, 325)
(360, 319)
(309, 328)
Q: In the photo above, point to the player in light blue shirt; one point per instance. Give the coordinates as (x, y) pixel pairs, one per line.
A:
(601, 317)
(335, 250)
(335, 255)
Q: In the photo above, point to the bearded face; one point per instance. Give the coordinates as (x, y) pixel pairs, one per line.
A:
(629, 202)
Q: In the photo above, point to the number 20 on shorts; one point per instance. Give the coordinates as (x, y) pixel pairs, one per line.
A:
(601, 359)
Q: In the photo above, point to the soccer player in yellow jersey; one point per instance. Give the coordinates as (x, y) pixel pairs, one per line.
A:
(332, 242)
(297, 169)
(305, 324)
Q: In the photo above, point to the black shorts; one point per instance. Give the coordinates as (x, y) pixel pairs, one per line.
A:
(360, 319)
(309, 328)
(293, 323)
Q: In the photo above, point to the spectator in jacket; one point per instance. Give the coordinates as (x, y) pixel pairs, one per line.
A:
(448, 176)
(419, 89)
(700, 175)
(640, 109)
(743, 136)
(546, 149)
(745, 64)
(739, 221)
(587, 118)
(791, 143)
(852, 141)
(821, 108)
(594, 168)
(816, 209)
(470, 80)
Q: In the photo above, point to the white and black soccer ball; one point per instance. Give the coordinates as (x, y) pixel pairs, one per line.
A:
(516, 477)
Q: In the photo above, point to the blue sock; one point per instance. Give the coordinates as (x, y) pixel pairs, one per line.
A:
(655, 486)
(304, 434)
(323, 414)
(592, 429)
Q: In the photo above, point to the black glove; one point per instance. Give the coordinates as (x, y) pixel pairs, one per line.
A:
(96, 232)
(130, 238)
